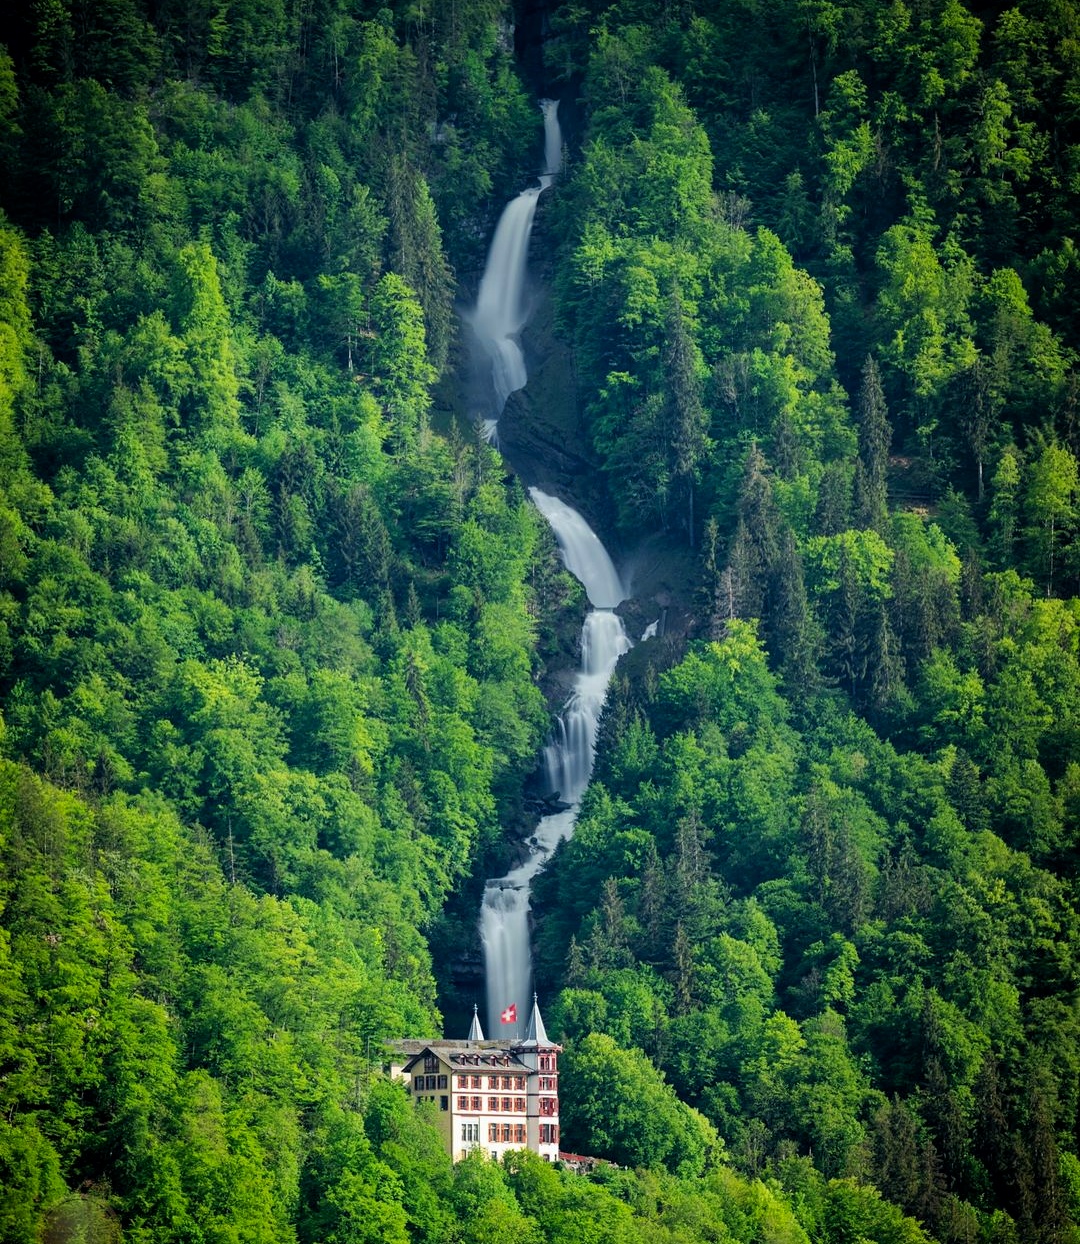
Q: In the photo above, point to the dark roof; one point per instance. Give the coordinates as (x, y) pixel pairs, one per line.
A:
(489, 1055)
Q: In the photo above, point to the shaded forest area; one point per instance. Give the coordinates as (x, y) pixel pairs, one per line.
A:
(270, 643)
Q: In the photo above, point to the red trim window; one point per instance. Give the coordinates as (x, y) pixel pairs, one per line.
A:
(519, 1083)
(493, 1104)
(476, 1082)
(475, 1103)
(549, 1105)
(493, 1132)
(519, 1103)
(507, 1133)
(463, 1103)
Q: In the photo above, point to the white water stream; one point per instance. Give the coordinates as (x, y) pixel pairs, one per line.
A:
(501, 307)
(568, 761)
(497, 319)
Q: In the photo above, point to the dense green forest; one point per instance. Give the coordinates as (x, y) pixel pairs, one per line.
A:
(273, 621)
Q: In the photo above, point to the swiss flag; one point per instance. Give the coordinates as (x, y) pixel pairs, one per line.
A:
(509, 1016)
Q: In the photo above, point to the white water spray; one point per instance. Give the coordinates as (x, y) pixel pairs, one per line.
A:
(501, 311)
(568, 759)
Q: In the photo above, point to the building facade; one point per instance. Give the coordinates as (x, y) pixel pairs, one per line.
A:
(489, 1095)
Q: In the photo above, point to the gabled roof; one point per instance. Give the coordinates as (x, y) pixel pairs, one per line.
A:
(465, 1055)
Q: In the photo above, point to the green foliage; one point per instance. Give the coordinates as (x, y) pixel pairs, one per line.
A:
(252, 749)
(620, 1108)
(267, 640)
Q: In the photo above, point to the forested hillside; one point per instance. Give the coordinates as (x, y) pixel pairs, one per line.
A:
(268, 642)
(817, 263)
(272, 627)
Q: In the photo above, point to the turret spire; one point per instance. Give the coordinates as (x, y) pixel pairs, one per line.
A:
(476, 1033)
(536, 1032)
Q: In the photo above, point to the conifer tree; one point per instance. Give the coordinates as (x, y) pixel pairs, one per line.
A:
(871, 505)
(686, 412)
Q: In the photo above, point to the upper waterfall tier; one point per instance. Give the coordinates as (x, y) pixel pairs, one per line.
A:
(501, 309)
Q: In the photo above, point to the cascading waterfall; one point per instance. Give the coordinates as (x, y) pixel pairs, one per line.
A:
(500, 311)
(496, 321)
(568, 760)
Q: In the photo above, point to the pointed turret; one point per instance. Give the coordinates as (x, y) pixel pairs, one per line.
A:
(541, 1056)
(476, 1033)
(535, 1032)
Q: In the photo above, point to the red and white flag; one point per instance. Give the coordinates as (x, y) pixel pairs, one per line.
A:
(509, 1016)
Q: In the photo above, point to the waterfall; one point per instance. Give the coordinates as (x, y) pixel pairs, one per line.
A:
(501, 311)
(568, 760)
(496, 321)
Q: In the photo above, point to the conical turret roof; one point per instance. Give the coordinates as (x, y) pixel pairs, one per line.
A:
(476, 1033)
(535, 1032)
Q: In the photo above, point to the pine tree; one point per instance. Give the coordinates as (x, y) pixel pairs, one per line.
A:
(686, 413)
(792, 632)
(652, 906)
(754, 548)
(875, 434)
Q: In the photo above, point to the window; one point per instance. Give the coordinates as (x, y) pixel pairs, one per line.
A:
(442, 1082)
(508, 1082)
(463, 1103)
(547, 1062)
(493, 1103)
(519, 1103)
(519, 1082)
(461, 1082)
(475, 1104)
(507, 1104)
(549, 1133)
(507, 1133)
(470, 1133)
(476, 1082)
(493, 1082)
(519, 1133)
(493, 1133)
(549, 1105)
(444, 1102)
(431, 1062)
(548, 1084)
